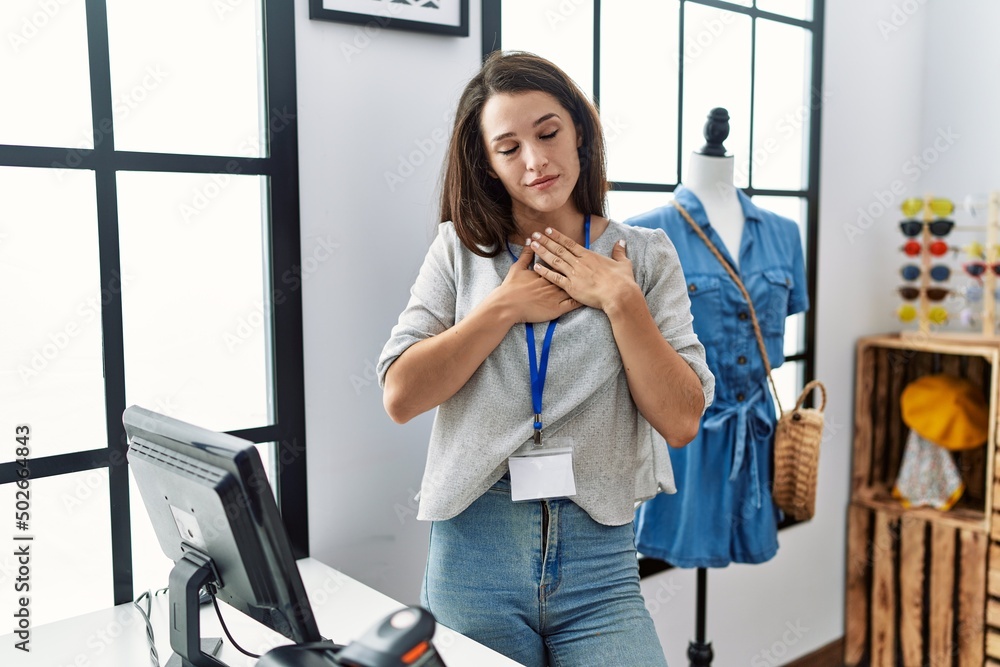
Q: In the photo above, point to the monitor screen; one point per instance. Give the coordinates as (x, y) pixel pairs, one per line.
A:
(209, 500)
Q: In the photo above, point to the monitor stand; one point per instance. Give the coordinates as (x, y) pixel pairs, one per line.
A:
(189, 575)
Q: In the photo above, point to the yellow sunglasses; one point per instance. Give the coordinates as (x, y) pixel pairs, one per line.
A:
(908, 313)
(938, 206)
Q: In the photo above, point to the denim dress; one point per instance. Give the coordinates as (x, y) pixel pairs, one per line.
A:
(723, 511)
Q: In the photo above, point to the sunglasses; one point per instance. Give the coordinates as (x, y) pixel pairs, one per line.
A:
(938, 272)
(974, 293)
(908, 313)
(937, 227)
(938, 206)
(933, 293)
(978, 268)
(968, 317)
(936, 248)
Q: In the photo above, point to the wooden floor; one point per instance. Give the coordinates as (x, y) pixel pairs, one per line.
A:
(831, 655)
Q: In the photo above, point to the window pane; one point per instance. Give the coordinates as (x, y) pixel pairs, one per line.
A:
(639, 45)
(717, 74)
(193, 84)
(197, 317)
(789, 207)
(795, 334)
(796, 9)
(150, 566)
(788, 380)
(624, 205)
(781, 106)
(560, 31)
(51, 342)
(71, 569)
(46, 70)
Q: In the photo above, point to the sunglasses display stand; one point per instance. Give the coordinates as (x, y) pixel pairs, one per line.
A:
(988, 329)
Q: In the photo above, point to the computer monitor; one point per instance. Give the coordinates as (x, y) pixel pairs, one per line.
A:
(214, 515)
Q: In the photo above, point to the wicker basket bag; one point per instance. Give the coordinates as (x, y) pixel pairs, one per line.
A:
(798, 433)
(796, 456)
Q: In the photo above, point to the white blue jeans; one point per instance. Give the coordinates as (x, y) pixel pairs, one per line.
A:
(540, 582)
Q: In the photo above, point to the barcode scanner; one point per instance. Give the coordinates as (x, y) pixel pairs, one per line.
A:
(401, 639)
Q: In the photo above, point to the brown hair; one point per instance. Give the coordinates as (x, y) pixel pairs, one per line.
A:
(477, 203)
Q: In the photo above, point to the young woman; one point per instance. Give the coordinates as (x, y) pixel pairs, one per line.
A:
(535, 464)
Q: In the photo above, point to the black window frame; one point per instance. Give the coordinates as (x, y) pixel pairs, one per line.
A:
(287, 369)
(492, 41)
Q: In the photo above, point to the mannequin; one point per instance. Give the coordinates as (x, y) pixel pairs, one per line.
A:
(710, 178)
(722, 512)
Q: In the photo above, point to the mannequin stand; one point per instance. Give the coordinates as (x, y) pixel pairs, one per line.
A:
(699, 651)
(710, 177)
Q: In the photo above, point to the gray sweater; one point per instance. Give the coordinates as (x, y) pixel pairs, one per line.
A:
(619, 459)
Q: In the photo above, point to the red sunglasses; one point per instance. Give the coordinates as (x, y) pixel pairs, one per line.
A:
(936, 248)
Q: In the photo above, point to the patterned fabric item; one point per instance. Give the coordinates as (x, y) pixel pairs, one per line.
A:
(927, 475)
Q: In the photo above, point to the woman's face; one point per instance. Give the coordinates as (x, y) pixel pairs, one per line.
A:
(532, 146)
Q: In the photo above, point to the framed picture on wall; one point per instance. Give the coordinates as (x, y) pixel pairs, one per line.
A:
(443, 17)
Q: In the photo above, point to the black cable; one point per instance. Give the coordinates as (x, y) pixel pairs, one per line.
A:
(218, 612)
(154, 657)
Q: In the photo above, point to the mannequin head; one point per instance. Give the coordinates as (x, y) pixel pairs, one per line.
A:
(716, 131)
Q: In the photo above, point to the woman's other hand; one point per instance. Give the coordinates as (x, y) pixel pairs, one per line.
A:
(529, 297)
(589, 278)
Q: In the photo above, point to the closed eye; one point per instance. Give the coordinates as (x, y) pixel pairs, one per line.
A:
(550, 135)
(508, 152)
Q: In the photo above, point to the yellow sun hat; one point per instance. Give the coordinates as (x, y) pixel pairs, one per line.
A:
(948, 411)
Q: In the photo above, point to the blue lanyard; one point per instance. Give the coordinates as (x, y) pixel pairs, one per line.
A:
(540, 368)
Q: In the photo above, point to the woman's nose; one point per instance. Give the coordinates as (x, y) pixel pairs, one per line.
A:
(535, 158)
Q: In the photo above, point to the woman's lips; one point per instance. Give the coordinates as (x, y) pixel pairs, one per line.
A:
(543, 183)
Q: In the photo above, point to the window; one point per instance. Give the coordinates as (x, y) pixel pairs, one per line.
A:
(149, 241)
(645, 62)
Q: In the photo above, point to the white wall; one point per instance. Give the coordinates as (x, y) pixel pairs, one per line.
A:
(368, 105)
(960, 103)
(360, 116)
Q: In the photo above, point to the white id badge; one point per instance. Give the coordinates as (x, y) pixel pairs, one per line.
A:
(543, 472)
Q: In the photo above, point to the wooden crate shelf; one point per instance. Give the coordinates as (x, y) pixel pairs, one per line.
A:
(881, 499)
(920, 588)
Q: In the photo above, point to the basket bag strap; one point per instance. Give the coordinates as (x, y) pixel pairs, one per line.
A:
(814, 384)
